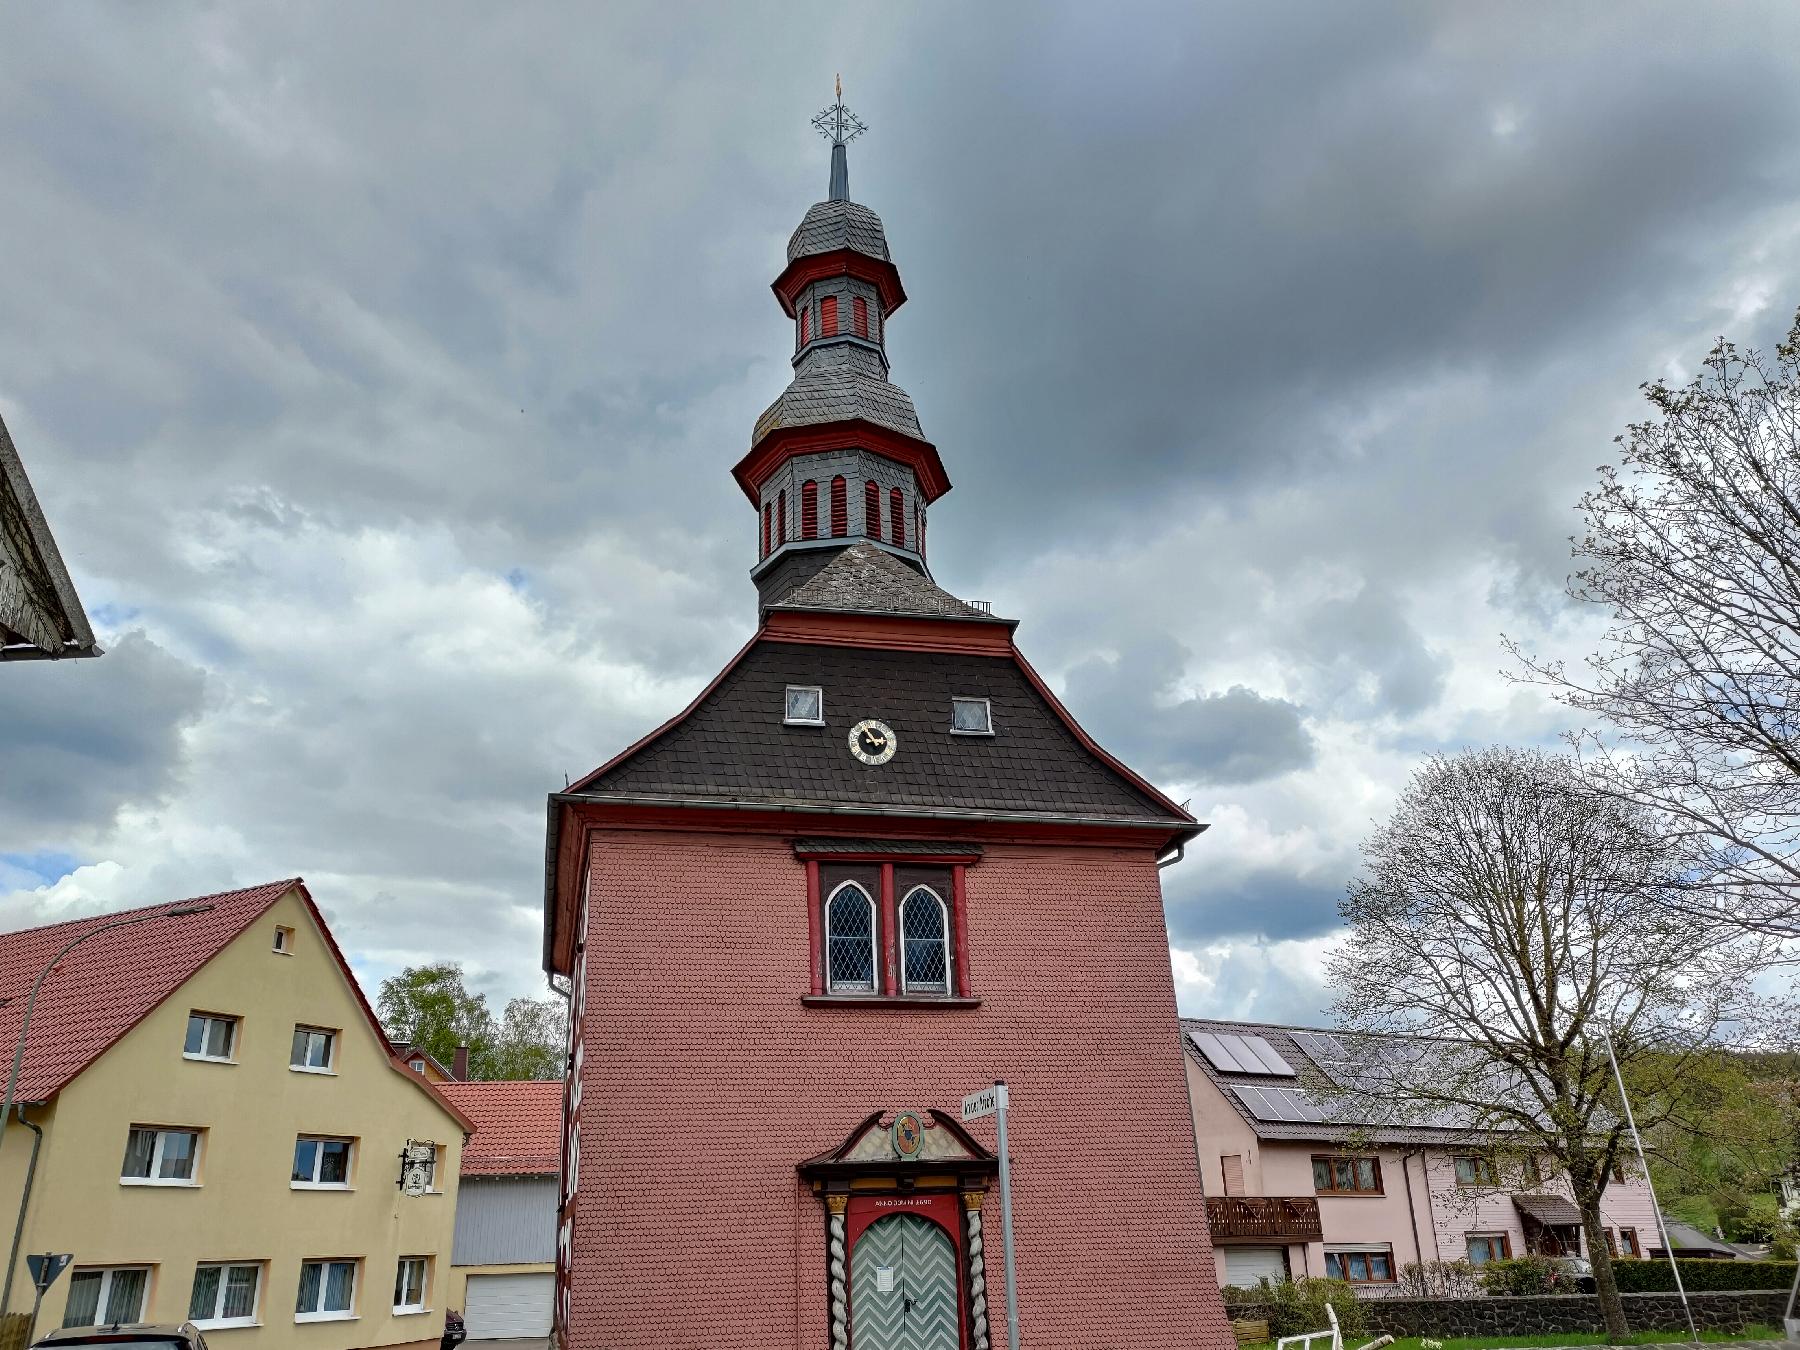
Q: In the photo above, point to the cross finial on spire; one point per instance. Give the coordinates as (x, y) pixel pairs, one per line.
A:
(840, 126)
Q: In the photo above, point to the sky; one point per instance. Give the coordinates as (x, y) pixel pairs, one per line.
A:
(380, 370)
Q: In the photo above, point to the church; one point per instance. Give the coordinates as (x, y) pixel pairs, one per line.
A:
(876, 865)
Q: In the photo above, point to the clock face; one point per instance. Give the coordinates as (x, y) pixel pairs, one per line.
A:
(873, 742)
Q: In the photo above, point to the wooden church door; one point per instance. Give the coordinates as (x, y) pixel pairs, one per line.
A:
(903, 1290)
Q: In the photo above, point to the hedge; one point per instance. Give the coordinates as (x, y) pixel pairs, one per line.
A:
(1655, 1277)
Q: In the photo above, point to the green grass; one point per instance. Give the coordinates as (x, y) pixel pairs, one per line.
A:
(1554, 1338)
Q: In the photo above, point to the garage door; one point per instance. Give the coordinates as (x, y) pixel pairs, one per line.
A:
(500, 1306)
(1244, 1266)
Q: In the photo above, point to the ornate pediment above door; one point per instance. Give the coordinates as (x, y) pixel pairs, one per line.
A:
(904, 1147)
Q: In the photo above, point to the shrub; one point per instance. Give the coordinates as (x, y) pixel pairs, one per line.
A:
(1296, 1306)
(1655, 1277)
(1438, 1279)
(1523, 1275)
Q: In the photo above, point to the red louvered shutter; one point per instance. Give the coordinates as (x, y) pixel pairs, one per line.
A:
(805, 314)
(768, 517)
(828, 316)
(859, 315)
(871, 510)
(840, 507)
(809, 510)
(781, 517)
(897, 516)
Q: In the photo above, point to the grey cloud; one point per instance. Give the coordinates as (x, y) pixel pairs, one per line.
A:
(80, 739)
(1365, 651)
(1205, 904)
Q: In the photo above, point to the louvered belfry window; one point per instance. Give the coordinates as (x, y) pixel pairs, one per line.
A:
(809, 509)
(828, 316)
(850, 940)
(840, 507)
(925, 937)
(805, 314)
(897, 516)
(859, 315)
(781, 517)
(872, 510)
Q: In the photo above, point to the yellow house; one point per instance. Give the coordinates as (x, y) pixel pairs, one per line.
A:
(212, 1124)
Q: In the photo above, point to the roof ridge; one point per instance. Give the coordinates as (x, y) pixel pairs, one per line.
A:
(108, 915)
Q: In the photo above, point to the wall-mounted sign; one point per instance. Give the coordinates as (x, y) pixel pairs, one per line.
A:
(417, 1162)
(909, 1135)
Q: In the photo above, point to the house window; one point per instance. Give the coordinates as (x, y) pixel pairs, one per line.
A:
(106, 1295)
(859, 315)
(321, 1163)
(1475, 1170)
(872, 510)
(156, 1157)
(805, 705)
(1485, 1247)
(1360, 1265)
(418, 1066)
(210, 1037)
(284, 941)
(850, 941)
(809, 510)
(1347, 1176)
(828, 316)
(409, 1285)
(971, 717)
(327, 1291)
(925, 939)
(840, 507)
(897, 517)
(225, 1296)
(315, 1050)
(1628, 1242)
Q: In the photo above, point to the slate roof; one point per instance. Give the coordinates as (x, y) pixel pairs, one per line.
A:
(866, 580)
(518, 1126)
(916, 848)
(829, 226)
(839, 395)
(40, 614)
(734, 747)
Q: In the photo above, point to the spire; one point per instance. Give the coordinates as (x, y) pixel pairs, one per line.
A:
(840, 126)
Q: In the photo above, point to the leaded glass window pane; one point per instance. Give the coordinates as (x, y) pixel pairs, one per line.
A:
(971, 716)
(850, 940)
(923, 935)
(805, 703)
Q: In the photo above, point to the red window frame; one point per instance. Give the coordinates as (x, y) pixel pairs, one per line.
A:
(887, 971)
(1346, 1272)
(840, 507)
(1333, 1162)
(1628, 1242)
(1502, 1253)
(809, 509)
(828, 316)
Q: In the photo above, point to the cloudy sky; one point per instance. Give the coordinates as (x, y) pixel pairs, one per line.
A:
(380, 368)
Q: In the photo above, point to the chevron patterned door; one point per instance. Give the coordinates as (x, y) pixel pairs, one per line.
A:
(903, 1287)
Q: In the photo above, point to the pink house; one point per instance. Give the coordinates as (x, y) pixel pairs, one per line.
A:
(1296, 1188)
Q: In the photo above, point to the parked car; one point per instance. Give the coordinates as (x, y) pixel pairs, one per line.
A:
(455, 1330)
(1575, 1270)
(129, 1336)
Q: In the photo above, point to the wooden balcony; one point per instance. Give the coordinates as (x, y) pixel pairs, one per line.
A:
(1264, 1218)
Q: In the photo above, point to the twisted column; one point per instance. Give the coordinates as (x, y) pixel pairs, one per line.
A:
(978, 1318)
(836, 1263)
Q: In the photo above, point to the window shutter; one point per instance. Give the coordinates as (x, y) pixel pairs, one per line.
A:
(897, 516)
(1232, 1164)
(840, 507)
(872, 510)
(809, 509)
(859, 315)
(781, 516)
(768, 519)
(805, 314)
(828, 316)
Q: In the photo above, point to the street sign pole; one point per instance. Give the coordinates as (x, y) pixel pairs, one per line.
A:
(44, 1270)
(1012, 1287)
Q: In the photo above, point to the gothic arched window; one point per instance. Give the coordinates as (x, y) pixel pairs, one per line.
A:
(925, 942)
(850, 941)
(840, 507)
(872, 509)
(809, 509)
(897, 516)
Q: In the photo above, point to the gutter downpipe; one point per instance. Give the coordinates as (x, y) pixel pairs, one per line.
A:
(1412, 1208)
(12, 1257)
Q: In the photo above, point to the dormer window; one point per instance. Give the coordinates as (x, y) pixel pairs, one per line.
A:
(805, 706)
(971, 717)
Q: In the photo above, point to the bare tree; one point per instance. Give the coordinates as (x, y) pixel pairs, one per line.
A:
(1509, 916)
(1692, 545)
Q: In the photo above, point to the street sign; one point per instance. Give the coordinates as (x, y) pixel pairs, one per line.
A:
(44, 1269)
(984, 1102)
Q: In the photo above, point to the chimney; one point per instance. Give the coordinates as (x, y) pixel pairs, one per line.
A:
(459, 1064)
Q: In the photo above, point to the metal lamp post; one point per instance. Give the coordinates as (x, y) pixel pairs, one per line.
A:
(12, 1080)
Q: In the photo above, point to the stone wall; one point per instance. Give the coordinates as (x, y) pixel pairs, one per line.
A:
(1530, 1315)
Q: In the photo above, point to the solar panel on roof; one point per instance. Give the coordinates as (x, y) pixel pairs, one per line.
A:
(1229, 1052)
(1322, 1047)
(1271, 1060)
(1288, 1106)
(1217, 1053)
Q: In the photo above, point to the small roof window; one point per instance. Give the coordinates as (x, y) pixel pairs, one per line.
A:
(805, 706)
(971, 717)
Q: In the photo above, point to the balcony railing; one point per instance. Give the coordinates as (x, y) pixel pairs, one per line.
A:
(1262, 1218)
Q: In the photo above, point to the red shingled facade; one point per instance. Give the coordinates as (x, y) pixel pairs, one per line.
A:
(705, 1081)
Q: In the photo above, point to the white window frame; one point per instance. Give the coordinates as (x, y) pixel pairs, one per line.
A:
(284, 940)
(230, 1056)
(874, 940)
(162, 1132)
(330, 1033)
(327, 1262)
(987, 706)
(106, 1274)
(216, 1323)
(424, 1303)
(906, 985)
(787, 718)
(319, 1162)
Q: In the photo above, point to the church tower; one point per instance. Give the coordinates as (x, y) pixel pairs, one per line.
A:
(874, 866)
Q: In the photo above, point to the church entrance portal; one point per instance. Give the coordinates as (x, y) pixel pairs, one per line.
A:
(903, 1287)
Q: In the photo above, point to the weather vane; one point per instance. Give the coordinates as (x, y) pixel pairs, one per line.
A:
(837, 123)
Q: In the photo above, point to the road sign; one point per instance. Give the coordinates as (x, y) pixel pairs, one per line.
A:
(44, 1269)
(984, 1102)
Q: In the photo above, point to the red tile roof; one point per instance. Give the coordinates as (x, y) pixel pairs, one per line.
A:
(109, 983)
(518, 1126)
